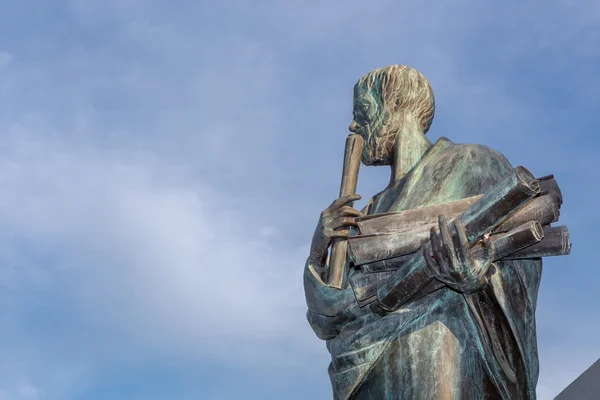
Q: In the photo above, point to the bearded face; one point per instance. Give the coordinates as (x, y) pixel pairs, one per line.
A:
(371, 121)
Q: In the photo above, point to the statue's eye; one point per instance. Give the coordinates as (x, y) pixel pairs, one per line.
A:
(362, 111)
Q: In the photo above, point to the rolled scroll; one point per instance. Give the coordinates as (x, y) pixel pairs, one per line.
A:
(556, 243)
(543, 209)
(414, 218)
(548, 184)
(369, 248)
(337, 259)
(521, 237)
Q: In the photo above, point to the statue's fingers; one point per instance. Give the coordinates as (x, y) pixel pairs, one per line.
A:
(436, 247)
(430, 259)
(343, 222)
(437, 261)
(337, 203)
(463, 249)
(340, 234)
(447, 244)
(348, 211)
(432, 237)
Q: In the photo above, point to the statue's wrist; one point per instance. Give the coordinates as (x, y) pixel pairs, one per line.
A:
(318, 252)
(317, 257)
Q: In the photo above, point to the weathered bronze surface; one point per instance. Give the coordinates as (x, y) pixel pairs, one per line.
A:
(436, 298)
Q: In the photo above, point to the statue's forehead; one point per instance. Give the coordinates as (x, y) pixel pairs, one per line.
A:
(363, 93)
(360, 90)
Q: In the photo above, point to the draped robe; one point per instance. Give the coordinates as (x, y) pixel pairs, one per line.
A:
(445, 345)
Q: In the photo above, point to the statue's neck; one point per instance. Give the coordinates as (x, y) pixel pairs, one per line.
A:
(409, 147)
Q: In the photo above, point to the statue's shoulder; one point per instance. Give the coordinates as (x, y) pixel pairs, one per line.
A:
(458, 170)
(467, 154)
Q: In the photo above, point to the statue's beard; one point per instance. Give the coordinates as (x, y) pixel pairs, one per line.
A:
(378, 148)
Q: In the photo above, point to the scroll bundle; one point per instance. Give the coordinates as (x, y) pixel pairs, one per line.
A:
(516, 214)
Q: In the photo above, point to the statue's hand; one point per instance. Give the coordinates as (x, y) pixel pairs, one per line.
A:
(334, 222)
(452, 262)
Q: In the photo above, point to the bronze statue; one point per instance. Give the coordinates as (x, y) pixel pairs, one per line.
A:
(430, 291)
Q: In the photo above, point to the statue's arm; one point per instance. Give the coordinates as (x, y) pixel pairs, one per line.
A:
(328, 308)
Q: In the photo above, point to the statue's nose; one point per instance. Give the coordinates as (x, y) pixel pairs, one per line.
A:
(353, 126)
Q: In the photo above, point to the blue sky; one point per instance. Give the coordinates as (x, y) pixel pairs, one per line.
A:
(163, 164)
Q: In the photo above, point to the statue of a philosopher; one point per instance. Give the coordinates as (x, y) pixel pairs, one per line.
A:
(474, 336)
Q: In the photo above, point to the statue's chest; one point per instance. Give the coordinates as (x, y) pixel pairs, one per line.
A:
(409, 193)
(386, 200)
(438, 179)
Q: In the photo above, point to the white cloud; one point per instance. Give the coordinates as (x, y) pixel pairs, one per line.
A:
(5, 59)
(159, 260)
(28, 391)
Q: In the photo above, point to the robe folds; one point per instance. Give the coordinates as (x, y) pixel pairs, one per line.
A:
(445, 345)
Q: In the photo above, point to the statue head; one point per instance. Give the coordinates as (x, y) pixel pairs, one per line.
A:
(387, 100)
